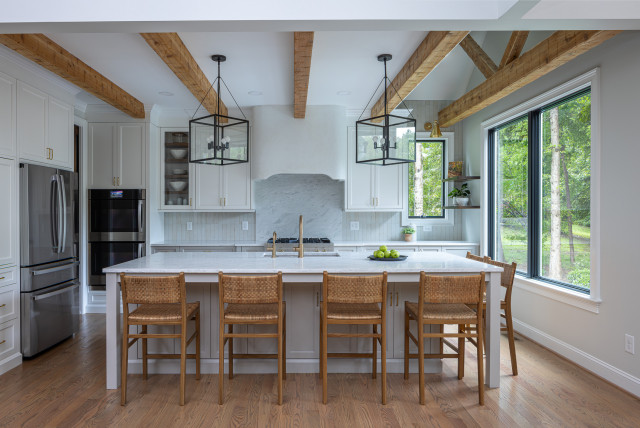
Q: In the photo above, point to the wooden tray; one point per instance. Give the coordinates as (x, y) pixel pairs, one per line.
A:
(388, 259)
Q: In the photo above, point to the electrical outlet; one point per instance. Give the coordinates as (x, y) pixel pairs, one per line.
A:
(355, 225)
(245, 225)
(189, 225)
(427, 228)
(628, 343)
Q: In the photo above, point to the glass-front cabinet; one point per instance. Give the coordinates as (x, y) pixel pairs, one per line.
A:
(177, 173)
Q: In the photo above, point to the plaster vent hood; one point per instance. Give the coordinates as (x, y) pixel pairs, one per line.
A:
(316, 144)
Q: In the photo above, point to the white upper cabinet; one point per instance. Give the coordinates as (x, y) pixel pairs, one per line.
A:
(8, 213)
(60, 133)
(209, 187)
(7, 116)
(372, 187)
(44, 128)
(223, 187)
(131, 156)
(117, 155)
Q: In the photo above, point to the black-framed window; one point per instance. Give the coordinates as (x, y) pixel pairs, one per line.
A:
(426, 189)
(540, 192)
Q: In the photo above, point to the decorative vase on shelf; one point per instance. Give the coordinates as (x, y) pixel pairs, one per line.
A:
(463, 202)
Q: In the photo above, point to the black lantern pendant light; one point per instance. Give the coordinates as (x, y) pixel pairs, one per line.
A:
(387, 139)
(218, 139)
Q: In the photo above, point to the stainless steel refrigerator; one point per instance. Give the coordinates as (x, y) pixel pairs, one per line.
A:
(49, 284)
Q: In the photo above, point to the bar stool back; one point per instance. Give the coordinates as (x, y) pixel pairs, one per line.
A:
(354, 300)
(251, 300)
(162, 301)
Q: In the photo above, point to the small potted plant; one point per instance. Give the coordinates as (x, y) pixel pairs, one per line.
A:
(460, 196)
(409, 233)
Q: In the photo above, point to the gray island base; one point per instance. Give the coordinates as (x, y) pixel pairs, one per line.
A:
(302, 279)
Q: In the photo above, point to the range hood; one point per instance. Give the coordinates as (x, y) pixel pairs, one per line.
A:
(316, 144)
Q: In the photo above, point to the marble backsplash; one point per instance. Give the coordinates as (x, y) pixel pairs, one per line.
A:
(279, 201)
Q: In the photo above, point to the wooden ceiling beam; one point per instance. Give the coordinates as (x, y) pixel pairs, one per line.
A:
(514, 47)
(302, 49)
(424, 59)
(45, 52)
(478, 56)
(175, 54)
(558, 49)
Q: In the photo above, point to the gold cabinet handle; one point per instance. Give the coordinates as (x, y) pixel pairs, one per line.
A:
(225, 201)
(52, 154)
(317, 299)
(1, 277)
(397, 298)
(190, 200)
(114, 182)
(3, 305)
(390, 299)
(2, 342)
(118, 181)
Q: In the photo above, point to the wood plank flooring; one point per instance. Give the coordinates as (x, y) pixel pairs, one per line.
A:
(65, 387)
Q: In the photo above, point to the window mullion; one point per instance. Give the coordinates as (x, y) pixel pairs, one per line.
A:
(491, 186)
(535, 199)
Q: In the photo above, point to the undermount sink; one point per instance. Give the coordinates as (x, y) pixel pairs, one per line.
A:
(309, 254)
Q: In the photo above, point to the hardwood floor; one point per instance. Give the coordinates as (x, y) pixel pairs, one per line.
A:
(66, 387)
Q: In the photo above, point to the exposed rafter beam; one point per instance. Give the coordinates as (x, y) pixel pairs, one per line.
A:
(302, 48)
(514, 47)
(558, 49)
(478, 56)
(175, 54)
(424, 59)
(44, 51)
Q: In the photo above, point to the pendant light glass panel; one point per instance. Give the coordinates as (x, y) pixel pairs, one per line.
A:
(386, 140)
(218, 140)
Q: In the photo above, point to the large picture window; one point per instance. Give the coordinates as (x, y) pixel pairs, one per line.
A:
(540, 192)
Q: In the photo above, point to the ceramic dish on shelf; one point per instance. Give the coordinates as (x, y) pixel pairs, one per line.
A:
(388, 259)
(178, 186)
(179, 171)
(178, 153)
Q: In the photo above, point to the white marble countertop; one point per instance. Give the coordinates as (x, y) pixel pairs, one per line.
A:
(242, 262)
(336, 243)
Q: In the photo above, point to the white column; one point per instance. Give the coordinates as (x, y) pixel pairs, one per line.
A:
(492, 378)
(114, 337)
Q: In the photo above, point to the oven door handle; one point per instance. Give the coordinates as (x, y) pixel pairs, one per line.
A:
(140, 216)
(140, 250)
(55, 293)
(54, 269)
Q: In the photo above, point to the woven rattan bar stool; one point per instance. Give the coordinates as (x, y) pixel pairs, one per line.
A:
(162, 301)
(354, 300)
(251, 300)
(475, 257)
(443, 300)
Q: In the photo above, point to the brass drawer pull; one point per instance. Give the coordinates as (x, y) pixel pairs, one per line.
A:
(2, 342)
(3, 305)
(1, 278)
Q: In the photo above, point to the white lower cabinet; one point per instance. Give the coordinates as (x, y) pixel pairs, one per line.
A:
(9, 319)
(208, 249)
(8, 213)
(461, 250)
(303, 303)
(9, 340)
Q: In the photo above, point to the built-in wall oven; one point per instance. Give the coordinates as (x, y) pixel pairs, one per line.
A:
(117, 230)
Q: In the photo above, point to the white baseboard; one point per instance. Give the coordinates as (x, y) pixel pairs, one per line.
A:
(10, 362)
(300, 365)
(618, 377)
(95, 309)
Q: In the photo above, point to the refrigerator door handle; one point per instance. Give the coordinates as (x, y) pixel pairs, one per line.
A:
(52, 211)
(60, 213)
(63, 241)
(54, 269)
(54, 293)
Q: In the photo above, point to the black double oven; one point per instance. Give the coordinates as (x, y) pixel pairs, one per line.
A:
(117, 230)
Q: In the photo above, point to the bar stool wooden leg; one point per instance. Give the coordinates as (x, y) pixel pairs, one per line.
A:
(145, 360)
(280, 368)
(406, 342)
(383, 362)
(284, 346)
(320, 349)
(374, 353)
(324, 358)
(221, 365)
(461, 340)
(512, 343)
(421, 359)
(480, 365)
(230, 352)
(198, 345)
(183, 362)
(125, 364)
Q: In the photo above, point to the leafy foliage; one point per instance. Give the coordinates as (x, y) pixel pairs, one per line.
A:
(432, 187)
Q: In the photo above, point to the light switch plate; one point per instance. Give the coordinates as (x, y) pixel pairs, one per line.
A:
(628, 344)
(189, 225)
(245, 225)
(427, 228)
(355, 225)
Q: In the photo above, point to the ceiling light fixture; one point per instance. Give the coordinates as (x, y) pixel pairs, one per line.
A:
(218, 139)
(386, 139)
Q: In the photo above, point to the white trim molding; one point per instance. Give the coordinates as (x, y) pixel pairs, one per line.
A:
(618, 377)
(449, 155)
(589, 79)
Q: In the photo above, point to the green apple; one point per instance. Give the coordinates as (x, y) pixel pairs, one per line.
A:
(387, 254)
(383, 248)
(379, 254)
(394, 254)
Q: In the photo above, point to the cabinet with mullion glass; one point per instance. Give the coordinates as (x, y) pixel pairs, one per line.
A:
(177, 173)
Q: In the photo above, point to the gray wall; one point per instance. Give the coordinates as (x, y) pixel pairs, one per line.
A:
(599, 335)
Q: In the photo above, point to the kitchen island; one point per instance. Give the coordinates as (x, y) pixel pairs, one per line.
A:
(302, 279)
